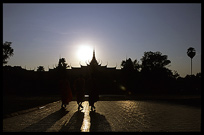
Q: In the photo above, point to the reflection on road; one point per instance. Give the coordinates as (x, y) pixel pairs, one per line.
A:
(86, 122)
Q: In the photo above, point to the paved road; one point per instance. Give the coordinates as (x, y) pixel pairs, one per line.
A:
(114, 116)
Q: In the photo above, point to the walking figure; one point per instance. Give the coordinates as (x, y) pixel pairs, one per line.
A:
(65, 90)
(93, 91)
(79, 85)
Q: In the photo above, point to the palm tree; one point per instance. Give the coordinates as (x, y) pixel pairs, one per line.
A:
(191, 53)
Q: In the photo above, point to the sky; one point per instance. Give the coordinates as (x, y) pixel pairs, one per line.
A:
(43, 33)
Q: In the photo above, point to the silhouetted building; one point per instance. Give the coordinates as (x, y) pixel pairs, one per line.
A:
(107, 76)
(94, 64)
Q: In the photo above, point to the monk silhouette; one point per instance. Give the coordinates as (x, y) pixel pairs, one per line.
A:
(79, 85)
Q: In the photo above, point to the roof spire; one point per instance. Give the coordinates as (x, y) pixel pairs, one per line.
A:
(94, 52)
(94, 61)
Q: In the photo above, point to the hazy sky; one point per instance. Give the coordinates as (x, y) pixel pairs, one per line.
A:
(41, 33)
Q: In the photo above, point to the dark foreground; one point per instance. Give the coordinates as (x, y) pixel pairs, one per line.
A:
(110, 116)
(12, 105)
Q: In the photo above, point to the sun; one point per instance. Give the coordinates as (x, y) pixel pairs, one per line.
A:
(84, 53)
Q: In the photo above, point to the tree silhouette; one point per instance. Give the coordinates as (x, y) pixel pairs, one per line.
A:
(127, 65)
(130, 65)
(154, 60)
(62, 66)
(136, 65)
(154, 71)
(62, 63)
(7, 51)
(40, 69)
(191, 53)
(128, 73)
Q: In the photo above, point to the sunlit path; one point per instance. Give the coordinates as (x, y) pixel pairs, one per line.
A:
(112, 116)
(86, 121)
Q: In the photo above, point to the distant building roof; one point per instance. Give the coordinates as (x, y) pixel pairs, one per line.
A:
(94, 63)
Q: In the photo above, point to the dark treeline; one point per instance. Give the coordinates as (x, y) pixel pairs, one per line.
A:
(150, 77)
(153, 77)
(19, 81)
(160, 81)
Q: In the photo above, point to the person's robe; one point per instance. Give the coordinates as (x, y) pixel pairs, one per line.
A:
(79, 88)
(65, 90)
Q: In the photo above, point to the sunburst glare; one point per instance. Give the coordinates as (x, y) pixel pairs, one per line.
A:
(84, 52)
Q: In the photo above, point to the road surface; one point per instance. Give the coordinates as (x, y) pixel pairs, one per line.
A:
(110, 116)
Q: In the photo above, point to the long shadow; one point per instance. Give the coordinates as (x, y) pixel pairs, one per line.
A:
(74, 124)
(46, 122)
(98, 122)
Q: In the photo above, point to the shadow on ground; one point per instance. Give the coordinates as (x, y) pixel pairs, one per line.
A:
(74, 124)
(46, 122)
(98, 122)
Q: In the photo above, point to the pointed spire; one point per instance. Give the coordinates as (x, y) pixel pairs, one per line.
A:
(93, 61)
(94, 53)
